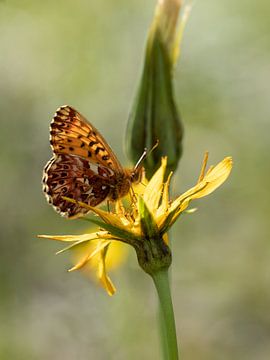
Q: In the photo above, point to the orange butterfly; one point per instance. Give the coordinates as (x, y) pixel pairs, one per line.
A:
(84, 166)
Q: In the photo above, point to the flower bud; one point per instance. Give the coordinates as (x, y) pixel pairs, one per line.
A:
(154, 115)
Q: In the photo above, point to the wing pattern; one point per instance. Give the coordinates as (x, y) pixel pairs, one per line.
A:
(76, 178)
(72, 134)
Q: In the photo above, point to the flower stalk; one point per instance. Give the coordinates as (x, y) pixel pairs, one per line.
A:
(168, 329)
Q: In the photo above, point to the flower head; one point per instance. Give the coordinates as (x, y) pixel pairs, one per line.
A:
(143, 223)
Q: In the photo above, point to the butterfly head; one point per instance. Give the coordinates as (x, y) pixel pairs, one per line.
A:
(138, 170)
(136, 173)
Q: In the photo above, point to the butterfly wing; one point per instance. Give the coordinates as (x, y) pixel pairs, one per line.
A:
(84, 166)
(76, 178)
(72, 134)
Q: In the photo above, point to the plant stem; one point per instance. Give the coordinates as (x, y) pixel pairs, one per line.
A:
(168, 331)
(163, 336)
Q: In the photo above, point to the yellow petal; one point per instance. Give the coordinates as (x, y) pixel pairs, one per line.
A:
(102, 274)
(115, 257)
(139, 188)
(165, 198)
(89, 258)
(101, 245)
(70, 238)
(154, 188)
(222, 169)
(108, 217)
(214, 178)
(77, 240)
(107, 284)
(204, 164)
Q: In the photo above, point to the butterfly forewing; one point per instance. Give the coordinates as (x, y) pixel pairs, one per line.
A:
(71, 134)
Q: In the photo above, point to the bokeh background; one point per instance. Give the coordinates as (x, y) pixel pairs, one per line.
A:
(89, 54)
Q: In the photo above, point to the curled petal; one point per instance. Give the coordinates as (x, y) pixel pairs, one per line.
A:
(213, 179)
(102, 273)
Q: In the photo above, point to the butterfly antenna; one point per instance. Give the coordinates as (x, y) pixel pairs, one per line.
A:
(145, 154)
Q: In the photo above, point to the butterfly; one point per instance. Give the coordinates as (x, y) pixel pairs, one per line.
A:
(83, 167)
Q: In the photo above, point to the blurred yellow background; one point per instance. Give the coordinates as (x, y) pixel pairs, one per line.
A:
(88, 54)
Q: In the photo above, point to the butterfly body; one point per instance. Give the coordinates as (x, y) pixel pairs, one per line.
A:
(83, 167)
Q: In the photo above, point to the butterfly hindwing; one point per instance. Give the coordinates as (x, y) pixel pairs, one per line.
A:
(76, 178)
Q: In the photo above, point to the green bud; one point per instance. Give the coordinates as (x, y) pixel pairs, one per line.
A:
(154, 116)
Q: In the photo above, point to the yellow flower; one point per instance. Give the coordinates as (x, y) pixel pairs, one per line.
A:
(143, 223)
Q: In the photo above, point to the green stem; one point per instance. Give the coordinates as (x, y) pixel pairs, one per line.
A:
(168, 333)
(163, 336)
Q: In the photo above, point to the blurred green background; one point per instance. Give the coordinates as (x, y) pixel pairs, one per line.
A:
(88, 54)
